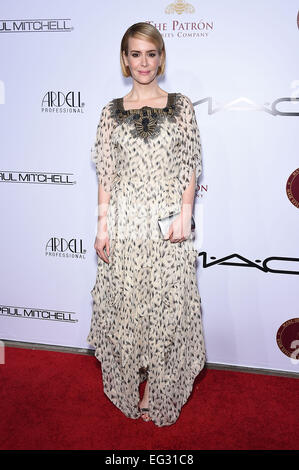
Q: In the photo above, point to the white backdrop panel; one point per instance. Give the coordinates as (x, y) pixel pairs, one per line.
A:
(233, 73)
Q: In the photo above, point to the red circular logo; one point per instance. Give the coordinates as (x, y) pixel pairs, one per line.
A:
(292, 188)
(287, 338)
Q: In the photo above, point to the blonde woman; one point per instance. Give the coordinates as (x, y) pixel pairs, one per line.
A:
(146, 321)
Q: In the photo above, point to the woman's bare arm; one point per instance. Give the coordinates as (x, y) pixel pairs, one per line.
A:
(103, 203)
(180, 229)
(102, 238)
(188, 198)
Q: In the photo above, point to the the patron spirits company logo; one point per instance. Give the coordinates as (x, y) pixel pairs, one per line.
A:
(45, 25)
(61, 247)
(36, 177)
(62, 102)
(201, 190)
(179, 7)
(192, 28)
(292, 188)
(37, 313)
(287, 338)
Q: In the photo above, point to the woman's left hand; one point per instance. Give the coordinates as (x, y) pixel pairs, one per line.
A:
(180, 229)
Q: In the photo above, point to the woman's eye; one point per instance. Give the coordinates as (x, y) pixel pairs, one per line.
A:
(135, 54)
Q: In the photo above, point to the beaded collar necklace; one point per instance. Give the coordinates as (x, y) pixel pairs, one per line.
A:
(146, 119)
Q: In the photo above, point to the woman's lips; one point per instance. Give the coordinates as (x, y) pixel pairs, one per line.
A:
(144, 73)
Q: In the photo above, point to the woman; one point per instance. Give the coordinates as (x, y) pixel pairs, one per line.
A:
(146, 321)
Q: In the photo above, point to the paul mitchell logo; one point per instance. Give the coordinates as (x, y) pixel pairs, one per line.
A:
(57, 25)
(35, 177)
(37, 313)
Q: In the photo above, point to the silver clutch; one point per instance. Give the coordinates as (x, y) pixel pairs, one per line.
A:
(165, 222)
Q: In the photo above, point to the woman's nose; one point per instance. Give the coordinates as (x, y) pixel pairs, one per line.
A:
(143, 60)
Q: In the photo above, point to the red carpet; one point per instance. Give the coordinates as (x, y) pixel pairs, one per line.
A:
(53, 400)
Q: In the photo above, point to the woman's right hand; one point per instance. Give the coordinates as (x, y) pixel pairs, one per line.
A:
(102, 240)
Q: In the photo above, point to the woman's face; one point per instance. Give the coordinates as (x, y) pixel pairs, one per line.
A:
(143, 60)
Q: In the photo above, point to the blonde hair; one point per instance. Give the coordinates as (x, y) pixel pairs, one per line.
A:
(144, 31)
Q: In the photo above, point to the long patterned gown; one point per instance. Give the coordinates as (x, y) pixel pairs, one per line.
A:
(146, 320)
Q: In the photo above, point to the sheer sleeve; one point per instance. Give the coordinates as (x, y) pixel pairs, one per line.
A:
(190, 149)
(102, 151)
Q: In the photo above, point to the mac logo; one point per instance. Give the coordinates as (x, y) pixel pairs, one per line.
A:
(273, 264)
(245, 104)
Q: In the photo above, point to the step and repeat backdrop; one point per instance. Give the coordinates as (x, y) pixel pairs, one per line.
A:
(238, 65)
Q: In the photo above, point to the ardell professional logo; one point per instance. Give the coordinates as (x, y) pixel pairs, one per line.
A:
(59, 102)
(287, 338)
(37, 313)
(35, 177)
(60, 247)
(179, 7)
(292, 188)
(273, 264)
(57, 25)
(245, 104)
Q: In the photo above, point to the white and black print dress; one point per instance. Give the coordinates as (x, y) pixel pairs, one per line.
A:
(146, 320)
